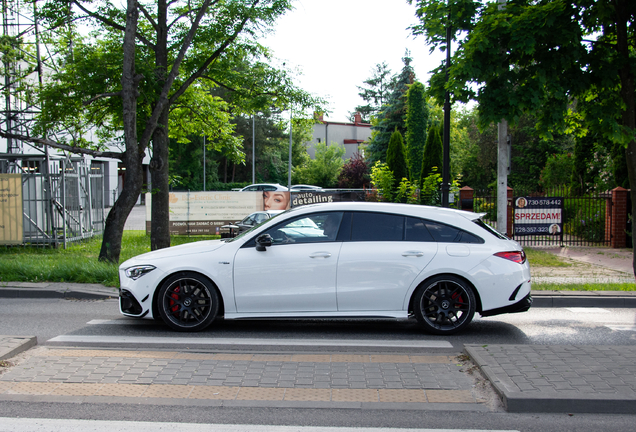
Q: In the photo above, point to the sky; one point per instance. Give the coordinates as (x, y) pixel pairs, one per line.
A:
(337, 43)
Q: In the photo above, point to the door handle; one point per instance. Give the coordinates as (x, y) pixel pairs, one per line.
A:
(320, 255)
(413, 253)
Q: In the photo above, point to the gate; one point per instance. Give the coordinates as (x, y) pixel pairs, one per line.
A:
(586, 218)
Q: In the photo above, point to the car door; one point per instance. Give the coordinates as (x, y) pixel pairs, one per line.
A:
(384, 256)
(297, 273)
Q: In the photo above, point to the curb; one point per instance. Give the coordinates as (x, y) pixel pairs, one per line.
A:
(60, 290)
(516, 400)
(10, 346)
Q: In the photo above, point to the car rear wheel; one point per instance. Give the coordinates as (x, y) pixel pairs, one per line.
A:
(444, 305)
(188, 302)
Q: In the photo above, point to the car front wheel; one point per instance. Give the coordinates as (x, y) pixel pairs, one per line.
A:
(188, 302)
(444, 305)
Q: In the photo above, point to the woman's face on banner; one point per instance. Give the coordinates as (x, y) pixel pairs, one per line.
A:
(275, 200)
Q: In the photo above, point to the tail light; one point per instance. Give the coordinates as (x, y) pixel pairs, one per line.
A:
(516, 256)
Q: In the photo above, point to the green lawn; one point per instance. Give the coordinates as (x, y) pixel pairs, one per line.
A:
(78, 263)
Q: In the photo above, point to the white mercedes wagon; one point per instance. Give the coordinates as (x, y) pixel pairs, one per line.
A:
(336, 260)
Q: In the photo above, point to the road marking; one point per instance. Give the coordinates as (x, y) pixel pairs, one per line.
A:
(62, 425)
(587, 310)
(137, 340)
(622, 327)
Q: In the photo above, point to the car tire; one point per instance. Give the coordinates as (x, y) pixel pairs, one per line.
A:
(444, 305)
(187, 302)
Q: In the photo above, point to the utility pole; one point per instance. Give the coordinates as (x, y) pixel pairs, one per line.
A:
(502, 167)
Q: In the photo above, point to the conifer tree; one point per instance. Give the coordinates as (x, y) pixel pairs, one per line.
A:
(433, 153)
(395, 157)
(416, 125)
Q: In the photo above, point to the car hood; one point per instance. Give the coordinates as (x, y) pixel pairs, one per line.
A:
(175, 251)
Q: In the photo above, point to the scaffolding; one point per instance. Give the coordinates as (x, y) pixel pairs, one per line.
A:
(62, 198)
(21, 63)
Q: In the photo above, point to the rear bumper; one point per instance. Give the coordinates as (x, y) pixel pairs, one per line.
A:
(521, 306)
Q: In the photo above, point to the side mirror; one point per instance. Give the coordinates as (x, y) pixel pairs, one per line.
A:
(262, 242)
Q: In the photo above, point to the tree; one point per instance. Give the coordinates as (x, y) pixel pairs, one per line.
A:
(416, 125)
(396, 159)
(324, 169)
(543, 57)
(374, 91)
(433, 153)
(169, 61)
(392, 114)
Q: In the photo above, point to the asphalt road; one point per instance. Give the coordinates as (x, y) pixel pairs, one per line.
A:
(51, 318)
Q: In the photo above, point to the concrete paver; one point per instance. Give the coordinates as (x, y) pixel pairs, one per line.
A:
(562, 378)
(373, 380)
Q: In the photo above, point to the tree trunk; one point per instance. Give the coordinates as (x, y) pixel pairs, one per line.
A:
(133, 156)
(160, 208)
(622, 18)
(116, 219)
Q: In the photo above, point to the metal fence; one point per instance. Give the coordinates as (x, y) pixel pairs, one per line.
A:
(586, 218)
(62, 200)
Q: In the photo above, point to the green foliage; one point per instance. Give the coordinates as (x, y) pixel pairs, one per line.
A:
(416, 125)
(557, 171)
(395, 157)
(481, 205)
(433, 152)
(383, 180)
(407, 192)
(324, 169)
(392, 114)
(375, 91)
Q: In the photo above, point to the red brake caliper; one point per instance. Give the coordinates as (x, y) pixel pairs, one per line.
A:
(173, 306)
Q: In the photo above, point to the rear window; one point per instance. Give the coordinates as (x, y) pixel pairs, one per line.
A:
(490, 229)
(449, 234)
(377, 227)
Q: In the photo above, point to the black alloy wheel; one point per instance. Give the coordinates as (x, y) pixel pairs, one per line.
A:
(188, 302)
(444, 305)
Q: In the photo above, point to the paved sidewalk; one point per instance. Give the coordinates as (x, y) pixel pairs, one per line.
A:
(563, 378)
(301, 381)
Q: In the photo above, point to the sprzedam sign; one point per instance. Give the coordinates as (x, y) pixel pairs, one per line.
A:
(538, 216)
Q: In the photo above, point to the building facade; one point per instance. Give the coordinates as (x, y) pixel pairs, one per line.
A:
(349, 135)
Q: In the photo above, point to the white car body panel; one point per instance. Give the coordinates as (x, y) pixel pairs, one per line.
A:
(309, 285)
(372, 281)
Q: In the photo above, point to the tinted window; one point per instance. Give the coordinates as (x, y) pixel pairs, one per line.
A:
(319, 227)
(416, 230)
(448, 234)
(377, 227)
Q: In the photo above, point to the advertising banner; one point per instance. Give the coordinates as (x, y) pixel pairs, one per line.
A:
(538, 216)
(204, 213)
(11, 218)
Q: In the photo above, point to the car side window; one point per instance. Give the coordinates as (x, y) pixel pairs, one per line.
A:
(260, 217)
(319, 227)
(416, 230)
(449, 234)
(368, 226)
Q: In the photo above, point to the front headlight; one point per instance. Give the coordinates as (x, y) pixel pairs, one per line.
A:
(138, 271)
